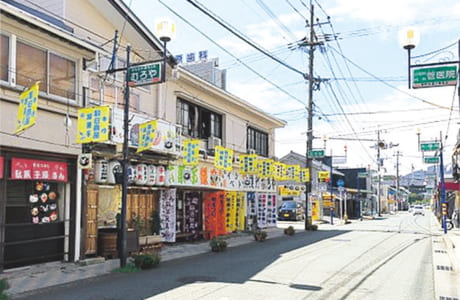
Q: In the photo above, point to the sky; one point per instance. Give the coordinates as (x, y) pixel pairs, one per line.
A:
(364, 69)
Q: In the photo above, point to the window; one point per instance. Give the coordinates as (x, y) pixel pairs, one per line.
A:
(4, 52)
(197, 121)
(57, 75)
(257, 141)
(108, 95)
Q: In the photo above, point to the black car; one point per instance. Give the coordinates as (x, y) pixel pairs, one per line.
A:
(291, 211)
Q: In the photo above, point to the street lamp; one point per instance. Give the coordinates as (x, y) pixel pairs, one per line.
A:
(165, 31)
(409, 39)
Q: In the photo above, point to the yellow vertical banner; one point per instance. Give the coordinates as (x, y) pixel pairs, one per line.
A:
(191, 152)
(27, 112)
(147, 132)
(292, 172)
(265, 167)
(231, 211)
(240, 210)
(304, 175)
(93, 124)
(279, 170)
(223, 158)
(248, 164)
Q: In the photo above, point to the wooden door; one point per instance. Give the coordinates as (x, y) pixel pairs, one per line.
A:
(91, 223)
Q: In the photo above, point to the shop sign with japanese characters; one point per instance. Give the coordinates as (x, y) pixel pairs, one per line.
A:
(32, 169)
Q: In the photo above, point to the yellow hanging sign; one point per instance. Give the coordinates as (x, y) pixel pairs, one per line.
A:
(248, 164)
(27, 112)
(279, 171)
(147, 133)
(304, 175)
(265, 167)
(191, 152)
(93, 124)
(223, 158)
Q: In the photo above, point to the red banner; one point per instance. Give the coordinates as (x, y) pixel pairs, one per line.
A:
(32, 169)
(1, 167)
(214, 214)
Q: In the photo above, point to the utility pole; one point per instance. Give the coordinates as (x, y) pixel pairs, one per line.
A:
(397, 179)
(310, 118)
(378, 173)
(443, 188)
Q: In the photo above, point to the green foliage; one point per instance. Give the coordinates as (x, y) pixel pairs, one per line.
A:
(147, 261)
(138, 224)
(413, 197)
(155, 222)
(260, 235)
(289, 231)
(3, 287)
(218, 244)
(129, 268)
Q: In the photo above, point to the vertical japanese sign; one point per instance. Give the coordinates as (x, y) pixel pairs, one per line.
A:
(223, 158)
(265, 167)
(93, 124)
(292, 172)
(168, 215)
(248, 164)
(27, 112)
(304, 175)
(279, 171)
(147, 132)
(191, 152)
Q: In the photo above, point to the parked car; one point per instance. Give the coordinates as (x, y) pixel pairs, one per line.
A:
(418, 210)
(291, 210)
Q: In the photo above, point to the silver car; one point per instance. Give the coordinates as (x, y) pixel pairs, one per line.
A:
(418, 210)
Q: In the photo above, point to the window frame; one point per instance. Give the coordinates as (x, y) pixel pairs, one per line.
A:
(258, 141)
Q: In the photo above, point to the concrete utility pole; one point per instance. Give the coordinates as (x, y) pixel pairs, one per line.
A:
(310, 118)
(378, 173)
(397, 179)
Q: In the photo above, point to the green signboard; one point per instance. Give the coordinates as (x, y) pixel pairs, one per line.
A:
(389, 177)
(431, 160)
(435, 76)
(316, 153)
(144, 74)
(362, 174)
(430, 146)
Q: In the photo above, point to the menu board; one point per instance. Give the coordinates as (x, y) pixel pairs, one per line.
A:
(266, 210)
(168, 215)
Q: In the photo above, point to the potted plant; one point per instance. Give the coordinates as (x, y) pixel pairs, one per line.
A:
(218, 244)
(289, 231)
(312, 227)
(260, 235)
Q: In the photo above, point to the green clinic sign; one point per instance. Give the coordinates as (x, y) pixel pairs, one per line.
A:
(316, 153)
(435, 76)
(431, 146)
(144, 74)
(431, 160)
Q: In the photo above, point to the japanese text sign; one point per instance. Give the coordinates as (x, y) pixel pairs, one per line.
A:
(280, 171)
(27, 112)
(265, 168)
(1, 167)
(147, 132)
(304, 175)
(191, 152)
(292, 172)
(93, 124)
(248, 164)
(223, 158)
(32, 169)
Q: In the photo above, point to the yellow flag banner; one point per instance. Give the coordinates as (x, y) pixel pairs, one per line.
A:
(223, 158)
(191, 152)
(93, 124)
(304, 175)
(279, 170)
(292, 172)
(147, 132)
(248, 164)
(265, 168)
(27, 112)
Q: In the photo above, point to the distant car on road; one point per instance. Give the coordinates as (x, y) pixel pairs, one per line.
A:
(292, 211)
(418, 210)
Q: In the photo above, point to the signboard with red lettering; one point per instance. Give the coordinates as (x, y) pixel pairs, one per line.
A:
(32, 169)
(1, 167)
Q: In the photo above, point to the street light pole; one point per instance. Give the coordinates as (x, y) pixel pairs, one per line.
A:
(443, 188)
(378, 173)
(332, 197)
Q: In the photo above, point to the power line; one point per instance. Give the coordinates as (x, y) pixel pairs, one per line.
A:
(270, 13)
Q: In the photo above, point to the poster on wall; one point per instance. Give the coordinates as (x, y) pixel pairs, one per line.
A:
(266, 210)
(43, 203)
(251, 209)
(192, 216)
(214, 214)
(271, 210)
(168, 215)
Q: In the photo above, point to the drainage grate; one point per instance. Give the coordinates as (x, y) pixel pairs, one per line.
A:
(447, 298)
(444, 268)
(440, 251)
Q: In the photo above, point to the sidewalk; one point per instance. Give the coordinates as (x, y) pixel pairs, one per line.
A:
(446, 261)
(30, 278)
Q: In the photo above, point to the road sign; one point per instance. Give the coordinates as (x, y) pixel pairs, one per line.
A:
(316, 153)
(430, 146)
(341, 189)
(389, 177)
(340, 183)
(431, 160)
(435, 76)
(144, 74)
(362, 174)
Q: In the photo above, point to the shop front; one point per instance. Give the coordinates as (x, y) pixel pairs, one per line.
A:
(38, 192)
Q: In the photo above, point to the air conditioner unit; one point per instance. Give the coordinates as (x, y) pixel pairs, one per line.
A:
(251, 151)
(213, 142)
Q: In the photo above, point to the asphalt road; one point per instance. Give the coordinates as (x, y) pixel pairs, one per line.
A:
(388, 258)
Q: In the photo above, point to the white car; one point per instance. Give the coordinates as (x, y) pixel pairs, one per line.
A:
(418, 209)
